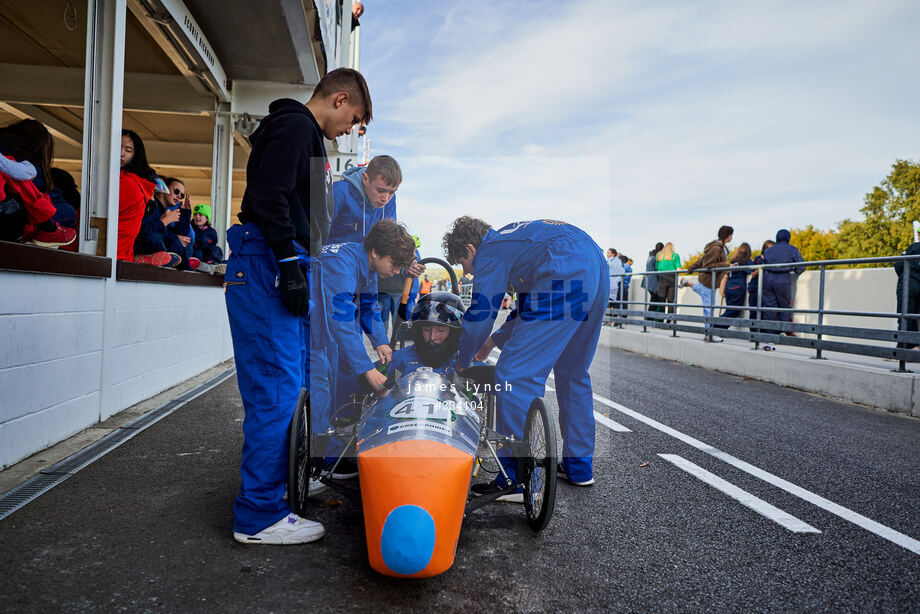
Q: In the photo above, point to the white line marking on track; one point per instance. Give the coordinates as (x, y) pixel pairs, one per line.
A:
(895, 537)
(742, 496)
(611, 424)
(849, 515)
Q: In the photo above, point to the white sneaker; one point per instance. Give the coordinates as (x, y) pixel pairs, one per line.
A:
(716, 339)
(315, 487)
(560, 473)
(291, 529)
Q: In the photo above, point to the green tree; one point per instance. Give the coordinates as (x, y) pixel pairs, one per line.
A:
(889, 210)
(815, 244)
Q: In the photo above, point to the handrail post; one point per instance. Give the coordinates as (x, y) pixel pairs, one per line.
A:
(673, 322)
(759, 301)
(902, 321)
(821, 282)
(645, 303)
(712, 300)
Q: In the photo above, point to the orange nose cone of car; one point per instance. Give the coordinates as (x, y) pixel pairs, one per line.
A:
(414, 495)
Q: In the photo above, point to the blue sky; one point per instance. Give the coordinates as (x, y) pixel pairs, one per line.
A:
(641, 122)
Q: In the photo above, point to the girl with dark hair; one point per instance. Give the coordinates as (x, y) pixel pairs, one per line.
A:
(46, 210)
(28, 140)
(136, 187)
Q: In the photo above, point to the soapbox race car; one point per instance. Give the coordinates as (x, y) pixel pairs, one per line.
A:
(419, 444)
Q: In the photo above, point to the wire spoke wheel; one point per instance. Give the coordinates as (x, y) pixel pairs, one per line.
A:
(540, 466)
(299, 454)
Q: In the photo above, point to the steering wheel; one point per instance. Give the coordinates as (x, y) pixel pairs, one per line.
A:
(454, 287)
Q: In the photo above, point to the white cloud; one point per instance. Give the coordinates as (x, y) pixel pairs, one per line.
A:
(683, 116)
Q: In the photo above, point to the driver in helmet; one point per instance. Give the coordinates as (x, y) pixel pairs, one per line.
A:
(434, 325)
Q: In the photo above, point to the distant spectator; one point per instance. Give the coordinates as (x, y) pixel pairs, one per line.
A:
(425, 286)
(650, 282)
(617, 274)
(136, 185)
(28, 140)
(777, 283)
(715, 255)
(166, 227)
(627, 267)
(207, 246)
(734, 285)
(913, 293)
(667, 260)
(752, 285)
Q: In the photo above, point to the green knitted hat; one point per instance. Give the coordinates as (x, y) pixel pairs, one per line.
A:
(204, 210)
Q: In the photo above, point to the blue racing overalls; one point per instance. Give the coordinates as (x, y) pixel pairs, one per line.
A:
(348, 288)
(270, 349)
(408, 361)
(563, 284)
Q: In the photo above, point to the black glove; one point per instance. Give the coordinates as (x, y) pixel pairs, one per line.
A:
(293, 288)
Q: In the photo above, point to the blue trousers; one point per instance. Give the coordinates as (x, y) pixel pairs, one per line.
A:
(562, 336)
(270, 349)
(735, 294)
(777, 292)
(388, 309)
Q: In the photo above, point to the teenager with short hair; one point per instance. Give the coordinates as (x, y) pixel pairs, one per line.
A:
(715, 255)
(364, 196)
(348, 292)
(285, 216)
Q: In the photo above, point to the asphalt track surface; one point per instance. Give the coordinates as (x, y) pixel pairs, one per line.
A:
(148, 526)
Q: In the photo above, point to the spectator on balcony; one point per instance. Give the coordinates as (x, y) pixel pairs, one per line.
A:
(25, 212)
(166, 227)
(65, 182)
(28, 140)
(777, 282)
(715, 255)
(136, 184)
(667, 260)
(207, 247)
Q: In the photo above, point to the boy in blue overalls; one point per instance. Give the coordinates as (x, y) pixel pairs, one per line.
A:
(562, 279)
(348, 291)
(286, 209)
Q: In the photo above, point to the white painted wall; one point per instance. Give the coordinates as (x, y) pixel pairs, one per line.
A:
(845, 290)
(51, 331)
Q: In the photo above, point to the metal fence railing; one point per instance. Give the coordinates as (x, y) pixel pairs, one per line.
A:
(766, 325)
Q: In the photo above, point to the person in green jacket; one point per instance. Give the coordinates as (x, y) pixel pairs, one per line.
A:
(667, 260)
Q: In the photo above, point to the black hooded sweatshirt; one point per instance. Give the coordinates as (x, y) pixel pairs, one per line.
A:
(288, 181)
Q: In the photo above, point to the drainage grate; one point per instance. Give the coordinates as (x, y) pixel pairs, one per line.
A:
(41, 483)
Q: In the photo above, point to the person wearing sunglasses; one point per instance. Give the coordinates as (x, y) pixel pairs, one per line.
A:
(167, 237)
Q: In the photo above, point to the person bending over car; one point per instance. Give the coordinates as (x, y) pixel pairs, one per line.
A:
(563, 283)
